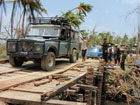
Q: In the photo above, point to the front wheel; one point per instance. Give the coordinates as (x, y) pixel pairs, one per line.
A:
(73, 57)
(48, 61)
(15, 62)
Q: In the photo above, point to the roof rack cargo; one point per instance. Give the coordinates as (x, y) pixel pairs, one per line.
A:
(49, 20)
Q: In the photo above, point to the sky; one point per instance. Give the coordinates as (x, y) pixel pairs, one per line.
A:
(107, 15)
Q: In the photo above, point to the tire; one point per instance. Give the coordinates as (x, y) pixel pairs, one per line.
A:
(48, 61)
(15, 62)
(73, 57)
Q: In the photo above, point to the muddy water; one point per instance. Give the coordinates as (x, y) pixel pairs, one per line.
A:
(120, 103)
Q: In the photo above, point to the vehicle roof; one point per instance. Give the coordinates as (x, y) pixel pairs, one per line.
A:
(54, 21)
(45, 25)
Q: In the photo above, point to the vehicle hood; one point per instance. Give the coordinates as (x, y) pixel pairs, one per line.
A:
(33, 39)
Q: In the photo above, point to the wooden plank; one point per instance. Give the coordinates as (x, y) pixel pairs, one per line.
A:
(61, 87)
(3, 61)
(26, 98)
(86, 86)
(75, 88)
(8, 71)
(32, 89)
(4, 85)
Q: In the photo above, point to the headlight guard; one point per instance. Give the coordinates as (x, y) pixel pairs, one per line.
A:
(38, 47)
(11, 46)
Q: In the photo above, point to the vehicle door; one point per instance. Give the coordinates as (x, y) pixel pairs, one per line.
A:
(63, 44)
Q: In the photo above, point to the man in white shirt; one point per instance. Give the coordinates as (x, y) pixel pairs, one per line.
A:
(84, 48)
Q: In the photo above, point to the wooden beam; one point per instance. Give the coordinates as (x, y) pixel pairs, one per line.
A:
(86, 86)
(4, 85)
(62, 87)
(49, 102)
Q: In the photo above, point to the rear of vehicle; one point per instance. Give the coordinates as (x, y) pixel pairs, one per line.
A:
(94, 52)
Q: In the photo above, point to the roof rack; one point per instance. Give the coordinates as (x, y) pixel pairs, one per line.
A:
(49, 20)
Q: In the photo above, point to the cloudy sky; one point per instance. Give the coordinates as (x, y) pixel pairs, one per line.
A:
(107, 15)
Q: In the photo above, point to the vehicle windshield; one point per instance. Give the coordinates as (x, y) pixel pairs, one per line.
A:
(95, 50)
(49, 31)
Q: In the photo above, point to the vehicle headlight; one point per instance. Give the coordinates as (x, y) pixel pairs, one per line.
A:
(38, 48)
(11, 46)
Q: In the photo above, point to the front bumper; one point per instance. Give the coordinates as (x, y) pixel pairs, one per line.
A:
(25, 54)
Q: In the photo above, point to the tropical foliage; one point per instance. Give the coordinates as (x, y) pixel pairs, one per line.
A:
(29, 8)
(76, 15)
(95, 38)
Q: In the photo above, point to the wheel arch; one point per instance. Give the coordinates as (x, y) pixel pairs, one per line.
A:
(53, 49)
(73, 49)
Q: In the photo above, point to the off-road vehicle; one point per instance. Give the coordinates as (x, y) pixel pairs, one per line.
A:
(46, 40)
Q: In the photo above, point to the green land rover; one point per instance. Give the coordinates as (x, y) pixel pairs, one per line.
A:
(46, 40)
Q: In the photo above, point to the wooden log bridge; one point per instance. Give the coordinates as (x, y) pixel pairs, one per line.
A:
(69, 84)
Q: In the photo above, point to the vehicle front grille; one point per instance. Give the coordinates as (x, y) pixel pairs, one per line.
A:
(25, 46)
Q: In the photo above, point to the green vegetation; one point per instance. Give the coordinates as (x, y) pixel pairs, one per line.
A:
(3, 53)
(95, 38)
(28, 9)
(76, 15)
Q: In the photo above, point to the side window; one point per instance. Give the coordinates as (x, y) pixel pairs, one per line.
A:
(75, 36)
(64, 34)
(72, 35)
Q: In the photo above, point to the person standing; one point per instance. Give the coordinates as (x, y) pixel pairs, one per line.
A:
(118, 55)
(110, 53)
(104, 50)
(123, 58)
(115, 53)
(84, 48)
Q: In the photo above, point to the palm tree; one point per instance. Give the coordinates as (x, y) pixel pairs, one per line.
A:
(29, 7)
(76, 15)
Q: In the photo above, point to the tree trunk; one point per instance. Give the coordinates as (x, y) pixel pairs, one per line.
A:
(12, 19)
(23, 19)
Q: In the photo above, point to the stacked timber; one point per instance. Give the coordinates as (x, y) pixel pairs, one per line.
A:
(89, 81)
(100, 82)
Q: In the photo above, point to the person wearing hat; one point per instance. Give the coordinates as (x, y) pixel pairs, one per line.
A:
(84, 48)
(105, 50)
